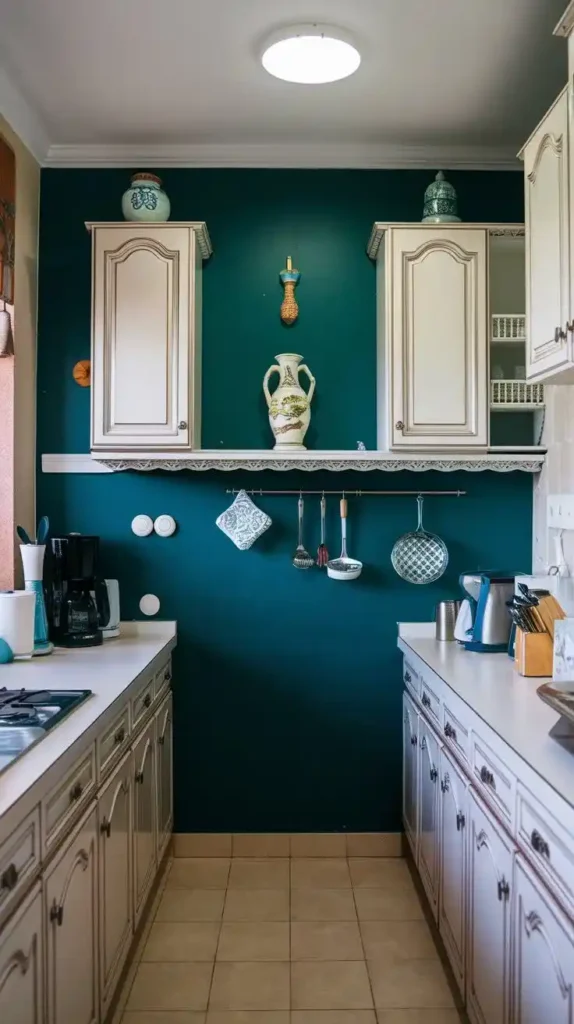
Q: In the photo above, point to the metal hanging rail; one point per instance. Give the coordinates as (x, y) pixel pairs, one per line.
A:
(351, 494)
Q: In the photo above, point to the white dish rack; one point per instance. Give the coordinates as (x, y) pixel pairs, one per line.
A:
(509, 327)
(516, 395)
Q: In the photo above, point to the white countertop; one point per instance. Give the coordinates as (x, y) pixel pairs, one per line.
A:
(505, 700)
(107, 671)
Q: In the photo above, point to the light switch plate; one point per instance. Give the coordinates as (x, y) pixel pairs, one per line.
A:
(560, 511)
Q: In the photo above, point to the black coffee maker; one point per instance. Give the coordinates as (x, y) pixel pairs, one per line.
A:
(77, 599)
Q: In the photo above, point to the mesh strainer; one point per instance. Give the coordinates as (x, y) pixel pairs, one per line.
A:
(419, 557)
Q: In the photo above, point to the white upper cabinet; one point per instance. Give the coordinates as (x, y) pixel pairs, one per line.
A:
(546, 155)
(433, 338)
(146, 336)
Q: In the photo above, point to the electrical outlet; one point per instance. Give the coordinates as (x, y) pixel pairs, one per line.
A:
(560, 511)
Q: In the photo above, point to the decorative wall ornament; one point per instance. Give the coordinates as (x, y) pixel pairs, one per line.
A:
(145, 199)
(290, 278)
(289, 406)
(82, 373)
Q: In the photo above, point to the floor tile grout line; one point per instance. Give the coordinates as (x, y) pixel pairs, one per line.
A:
(366, 962)
(217, 947)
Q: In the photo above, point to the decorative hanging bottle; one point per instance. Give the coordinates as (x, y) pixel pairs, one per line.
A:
(289, 307)
(289, 405)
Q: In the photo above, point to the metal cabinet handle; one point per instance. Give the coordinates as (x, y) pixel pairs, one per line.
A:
(399, 425)
(76, 792)
(408, 677)
(423, 743)
(570, 325)
(161, 740)
(167, 676)
(106, 828)
(120, 735)
(139, 777)
(56, 913)
(445, 784)
(426, 701)
(559, 334)
(182, 425)
(9, 877)
(449, 731)
(414, 741)
(433, 774)
(539, 844)
(460, 821)
(147, 700)
(503, 889)
(487, 777)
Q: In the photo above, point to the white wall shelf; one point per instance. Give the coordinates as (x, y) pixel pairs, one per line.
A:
(499, 460)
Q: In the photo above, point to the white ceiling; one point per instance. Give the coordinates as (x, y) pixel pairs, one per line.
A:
(104, 80)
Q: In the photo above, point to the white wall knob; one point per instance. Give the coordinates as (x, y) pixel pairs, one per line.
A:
(165, 526)
(149, 604)
(142, 526)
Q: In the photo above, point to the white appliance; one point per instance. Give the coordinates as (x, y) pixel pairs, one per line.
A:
(112, 627)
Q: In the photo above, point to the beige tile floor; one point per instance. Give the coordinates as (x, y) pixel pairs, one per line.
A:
(288, 941)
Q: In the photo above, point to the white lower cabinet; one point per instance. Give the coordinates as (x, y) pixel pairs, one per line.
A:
(21, 964)
(452, 864)
(410, 780)
(164, 774)
(70, 890)
(115, 877)
(489, 906)
(543, 961)
(144, 833)
(428, 807)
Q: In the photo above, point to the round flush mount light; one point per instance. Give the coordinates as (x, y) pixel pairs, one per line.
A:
(310, 54)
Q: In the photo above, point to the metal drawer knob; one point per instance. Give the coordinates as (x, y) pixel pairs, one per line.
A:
(9, 878)
(399, 425)
(147, 700)
(426, 701)
(450, 731)
(539, 844)
(182, 425)
(487, 777)
(120, 735)
(408, 677)
(76, 792)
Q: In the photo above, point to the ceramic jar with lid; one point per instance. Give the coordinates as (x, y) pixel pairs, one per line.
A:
(440, 206)
(145, 199)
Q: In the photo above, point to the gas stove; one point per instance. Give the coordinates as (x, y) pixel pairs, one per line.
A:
(27, 715)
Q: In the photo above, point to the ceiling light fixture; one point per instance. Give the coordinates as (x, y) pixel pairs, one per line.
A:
(310, 54)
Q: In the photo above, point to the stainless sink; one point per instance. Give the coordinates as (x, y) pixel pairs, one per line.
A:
(15, 739)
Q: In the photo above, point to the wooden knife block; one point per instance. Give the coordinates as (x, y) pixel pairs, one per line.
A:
(533, 654)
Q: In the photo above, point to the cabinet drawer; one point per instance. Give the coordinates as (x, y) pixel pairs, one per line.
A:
(19, 860)
(411, 678)
(548, 843)
(141, 703)
(163, 679)
(430, 701)
(455, 733)
(112, 743)
(493, 778)
(61, 805)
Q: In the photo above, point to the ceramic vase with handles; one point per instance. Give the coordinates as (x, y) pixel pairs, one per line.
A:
(145, 199)
(289, 405)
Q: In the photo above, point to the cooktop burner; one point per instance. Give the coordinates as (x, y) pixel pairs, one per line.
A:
(27, 715)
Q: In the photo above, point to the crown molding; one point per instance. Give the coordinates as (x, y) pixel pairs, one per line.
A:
(23, 119)
(367, 156)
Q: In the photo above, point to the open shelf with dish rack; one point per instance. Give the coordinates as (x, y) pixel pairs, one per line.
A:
(510, 394)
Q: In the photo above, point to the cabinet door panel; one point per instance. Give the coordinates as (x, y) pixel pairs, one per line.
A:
(428, 790)
(490, 871)
(144, 838)
(21, 965)
(164, 775)
(141, 337)
(543, 972)
(114, 847)
(439, 321)
(71, 910)
(452, 845)
(547, 245)
(410, 780)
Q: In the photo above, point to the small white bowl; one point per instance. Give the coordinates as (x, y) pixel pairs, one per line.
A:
(344, 569)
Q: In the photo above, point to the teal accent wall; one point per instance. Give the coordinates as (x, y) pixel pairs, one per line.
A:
(287, 685)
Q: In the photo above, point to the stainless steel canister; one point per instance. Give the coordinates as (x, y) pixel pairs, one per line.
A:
(445, 618)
